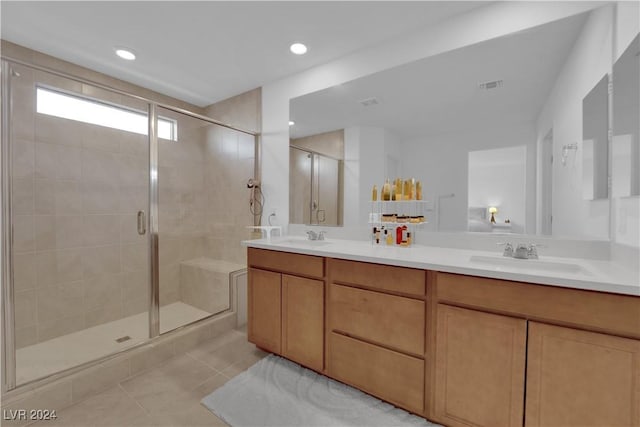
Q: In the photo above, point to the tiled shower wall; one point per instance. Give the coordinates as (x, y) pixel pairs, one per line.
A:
(203, 199)
(227, 193)
(78, 260)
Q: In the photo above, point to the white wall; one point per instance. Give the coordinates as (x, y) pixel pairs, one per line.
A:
(626, 211)
(441, 163)
(481, 24)
(488, 186)
(587, 63)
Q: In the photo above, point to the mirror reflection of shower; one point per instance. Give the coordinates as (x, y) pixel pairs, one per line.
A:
(316, 184)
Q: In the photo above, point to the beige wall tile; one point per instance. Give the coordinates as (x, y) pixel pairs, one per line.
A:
(103, 314)
(102, 138)
(56, 130)
(169, 251)
(23, 153)
(23, 233)
(167, 298)
(205, 289)
(45, 196)
(99, 230)
(25, 309)
(68, 197)
(133, 170)
(135, 257)
(46, 268)
(101, 260)
(46, 160)
(58, 327)
(134, 144)
(192, 247)
(135, 285)
(26, 336)
(102, 291)
(23, 196)
(135, 306)
(24, 273)
(68, 231)
(45, 232)
(23, 125)
(169, 279)
(68, 162)
(58, 302)
(68, 265)
(99, 166)
(129, 228)
(100, 197)
(133, 199)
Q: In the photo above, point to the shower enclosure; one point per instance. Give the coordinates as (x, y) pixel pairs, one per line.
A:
(118, 218)
(315, 193)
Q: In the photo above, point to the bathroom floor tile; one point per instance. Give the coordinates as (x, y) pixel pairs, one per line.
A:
(169, 394)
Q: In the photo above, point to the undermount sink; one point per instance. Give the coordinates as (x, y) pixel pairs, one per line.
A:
(304, 242)
(532, 264)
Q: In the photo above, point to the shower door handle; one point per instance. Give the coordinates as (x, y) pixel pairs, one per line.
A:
(142, 223)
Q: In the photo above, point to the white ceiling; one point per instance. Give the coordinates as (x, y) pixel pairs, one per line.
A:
(440, 94)
(206, 51)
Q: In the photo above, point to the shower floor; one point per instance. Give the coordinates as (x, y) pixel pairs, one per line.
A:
(64, 352)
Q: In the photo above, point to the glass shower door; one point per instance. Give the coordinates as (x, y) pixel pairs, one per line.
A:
(79, 180)
(202, 216)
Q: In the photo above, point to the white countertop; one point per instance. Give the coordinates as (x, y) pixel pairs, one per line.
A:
(593, 275)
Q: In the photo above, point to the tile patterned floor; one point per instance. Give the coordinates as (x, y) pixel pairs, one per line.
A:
(170, 394)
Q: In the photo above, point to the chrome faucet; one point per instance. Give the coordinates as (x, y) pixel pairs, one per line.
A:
(508, 249)
(532, 251)
(315, 236)
(522, 251)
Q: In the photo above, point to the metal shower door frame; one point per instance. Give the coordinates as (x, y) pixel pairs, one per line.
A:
(8, 314)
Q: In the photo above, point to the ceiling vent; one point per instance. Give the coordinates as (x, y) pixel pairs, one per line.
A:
(369, 102)
(490, 85)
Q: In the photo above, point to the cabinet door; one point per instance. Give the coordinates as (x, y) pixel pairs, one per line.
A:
(480, 368)
(578, 378)
(264, 311)
(303, 321)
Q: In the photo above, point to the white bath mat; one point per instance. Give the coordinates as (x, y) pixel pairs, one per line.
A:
(277, 392)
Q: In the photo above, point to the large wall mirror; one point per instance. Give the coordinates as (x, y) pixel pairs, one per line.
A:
(494, 127)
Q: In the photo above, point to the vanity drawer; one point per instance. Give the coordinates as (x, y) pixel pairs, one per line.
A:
(392, 376)
(392, 321)
(303, 265)
(385, 277)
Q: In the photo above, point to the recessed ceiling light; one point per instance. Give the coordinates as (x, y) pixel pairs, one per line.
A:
(298, 48)
(291, 123)
(125, 54)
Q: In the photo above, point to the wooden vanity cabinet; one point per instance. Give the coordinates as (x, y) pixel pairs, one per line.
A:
(303, 321)
(376, 330)
(285, 309)
(579, 351)
(580, 378)
(480, 368)
(459, 350)
(264, 300)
